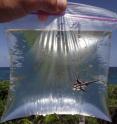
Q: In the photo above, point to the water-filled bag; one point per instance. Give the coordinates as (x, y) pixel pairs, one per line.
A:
(61, 65)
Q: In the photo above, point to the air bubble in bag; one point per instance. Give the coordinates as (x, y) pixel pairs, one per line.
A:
(61, 65)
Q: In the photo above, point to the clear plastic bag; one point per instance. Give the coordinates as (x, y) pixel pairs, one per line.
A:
(61, 65)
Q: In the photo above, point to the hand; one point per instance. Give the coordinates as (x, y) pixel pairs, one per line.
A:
(13, 9)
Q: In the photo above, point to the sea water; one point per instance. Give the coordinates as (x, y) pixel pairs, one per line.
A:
(46, 64)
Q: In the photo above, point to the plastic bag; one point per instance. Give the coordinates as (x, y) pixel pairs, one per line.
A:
(61, 65)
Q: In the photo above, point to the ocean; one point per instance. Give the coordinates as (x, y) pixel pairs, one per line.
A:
(4, 73)
(112, 78)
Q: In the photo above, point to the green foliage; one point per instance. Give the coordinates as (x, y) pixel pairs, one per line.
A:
(24, 121)
(70, 119)
(38, 120)
(112, 94)
(4, 85)
(51, 119)
(1, 107)
(21, 121)
(30, 37)
(55, 119)
(90, 120)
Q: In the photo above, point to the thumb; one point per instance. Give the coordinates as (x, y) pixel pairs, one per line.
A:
(49, 6)
(45, 7)
(54, 6)
(13, 9)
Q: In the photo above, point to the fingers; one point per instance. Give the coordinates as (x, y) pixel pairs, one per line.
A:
(62, 4)
(10, 10)
(50, 6)
(54, 6)
(9, 4)
(13, 9)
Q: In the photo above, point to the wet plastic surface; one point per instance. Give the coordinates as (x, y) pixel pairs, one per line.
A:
(59, 67)
(44, 71)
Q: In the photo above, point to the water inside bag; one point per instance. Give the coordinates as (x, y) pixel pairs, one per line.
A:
(45, 69)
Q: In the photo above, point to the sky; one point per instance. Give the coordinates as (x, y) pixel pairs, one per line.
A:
(107, 4)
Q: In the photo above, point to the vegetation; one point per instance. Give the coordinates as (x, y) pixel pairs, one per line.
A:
(55, 119)
(112, 101)
(33, 35)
